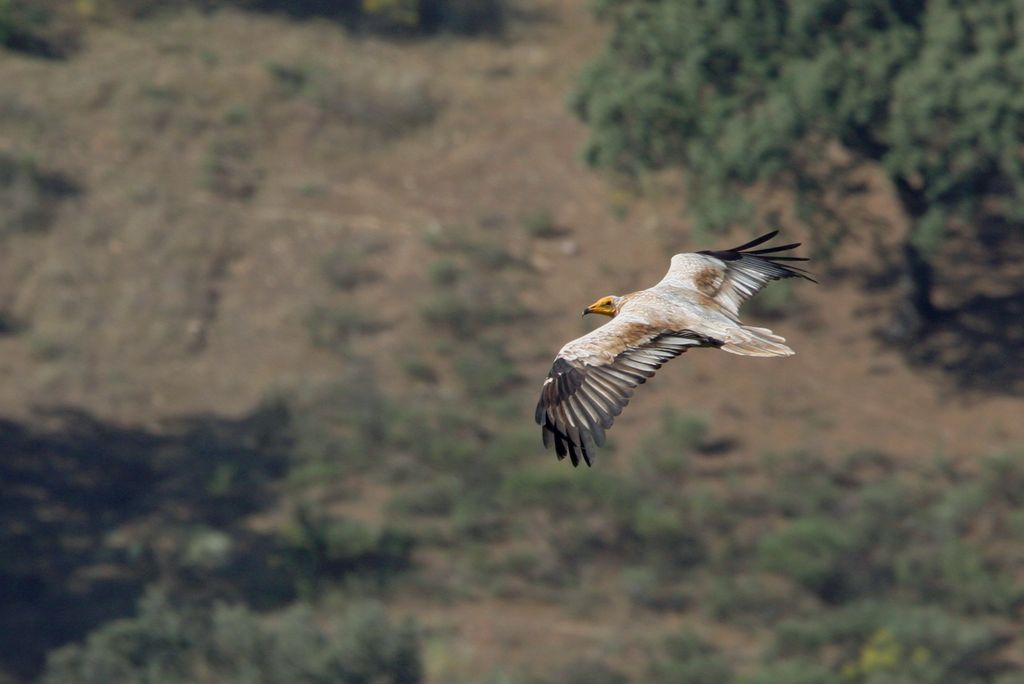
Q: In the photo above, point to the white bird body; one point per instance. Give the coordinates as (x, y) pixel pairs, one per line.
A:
(696, 304)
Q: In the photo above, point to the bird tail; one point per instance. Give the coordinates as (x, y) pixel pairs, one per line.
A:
(750, 341)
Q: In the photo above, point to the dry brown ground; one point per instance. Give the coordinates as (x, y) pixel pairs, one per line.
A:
(147, 259)
(162, 291)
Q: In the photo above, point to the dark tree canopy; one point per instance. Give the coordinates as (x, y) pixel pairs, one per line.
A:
(743, 91)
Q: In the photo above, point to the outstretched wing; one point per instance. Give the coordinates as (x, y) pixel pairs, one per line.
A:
(593, 379)
(732, 276)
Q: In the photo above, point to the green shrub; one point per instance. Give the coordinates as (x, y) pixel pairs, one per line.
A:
(1010, 678)
(665, 535)
(686, 659)
(590, 671)
(24, 27)
(658, 467)
(323, 549)
(915, 540)
(429, 16)
(8, 21)
(1003, 478)
(467, 313)
(813, 552)
(419, 368)
(892, 642)
(648, 587)
(170, 644)
(665, 457)
(957, 574)
(444, 272)
(565, 491)
(347, 265)
(710, 509)
(752, 598)
(795, 672)
(877, 508)
(334, 327)
(915, 533)
(486, 370)
(343, 427)
(230, 168)
(436, 437)
(541, 224)
(433, 497)
(483, 251)
(801, 486)
(157, 645)
(30, 196)
(682, 431)
(956, 509)
(289, 79)
(475, 519)
(512, 448)
(530, 573)
(371, 649)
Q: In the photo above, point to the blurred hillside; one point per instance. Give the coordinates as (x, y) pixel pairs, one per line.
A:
(277, 292)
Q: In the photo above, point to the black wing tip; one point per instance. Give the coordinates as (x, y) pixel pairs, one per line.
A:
(773, 248)
(791, 271)
(746, 248)
(578, 443)
(565, 446)
(768, 254)
(761, 239)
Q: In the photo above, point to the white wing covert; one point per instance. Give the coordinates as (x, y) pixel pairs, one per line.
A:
(732, 276)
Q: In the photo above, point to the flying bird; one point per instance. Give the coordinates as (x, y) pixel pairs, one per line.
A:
(696, 304)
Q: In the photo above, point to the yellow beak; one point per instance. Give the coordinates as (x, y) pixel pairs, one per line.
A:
(604, 310)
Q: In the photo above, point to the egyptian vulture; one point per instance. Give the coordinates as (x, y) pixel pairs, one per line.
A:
(696, 304)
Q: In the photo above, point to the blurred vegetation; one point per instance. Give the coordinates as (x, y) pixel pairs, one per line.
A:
(739, 94)
(685, 659)
(170, 643)
(323, 549)
(284, 545)
(856, 571)
(860, 570)
(459, 16)
(384, 103)
(30, 195)
(23, 25)
(400, 17)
